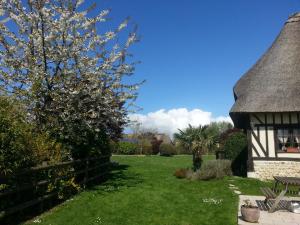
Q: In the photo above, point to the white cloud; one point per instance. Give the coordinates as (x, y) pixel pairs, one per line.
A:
(169, 121)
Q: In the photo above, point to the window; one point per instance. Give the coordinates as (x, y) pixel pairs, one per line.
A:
(288, 140)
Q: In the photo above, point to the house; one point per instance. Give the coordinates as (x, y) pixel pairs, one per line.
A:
(267, 107)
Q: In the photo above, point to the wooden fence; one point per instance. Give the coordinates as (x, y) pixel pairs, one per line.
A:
(30, 187)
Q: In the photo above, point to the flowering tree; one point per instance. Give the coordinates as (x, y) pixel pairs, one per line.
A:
(70, 75)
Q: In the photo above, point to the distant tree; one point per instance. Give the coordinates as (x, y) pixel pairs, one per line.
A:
(155, 142)
(216, 129)
(185, 137)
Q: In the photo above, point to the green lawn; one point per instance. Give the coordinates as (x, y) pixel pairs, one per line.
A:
(143, 191)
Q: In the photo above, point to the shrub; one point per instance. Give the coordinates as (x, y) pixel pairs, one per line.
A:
(235, 148)
(89, 144)
(182, 150)
(45, 148)
(65, 187)
(146, 149)
(167, 150)
(213, 169)
(14, 133)
(155, 145)
(113, 147)
(183, 173)
(20, 145)
(127, 148)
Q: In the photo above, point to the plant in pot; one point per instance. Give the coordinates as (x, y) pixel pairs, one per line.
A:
(292, 145)
(292, 149)
(250, 212)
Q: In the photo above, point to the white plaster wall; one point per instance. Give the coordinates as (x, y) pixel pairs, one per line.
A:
(263, 135)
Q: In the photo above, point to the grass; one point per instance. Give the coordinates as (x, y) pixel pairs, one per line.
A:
(143, 191)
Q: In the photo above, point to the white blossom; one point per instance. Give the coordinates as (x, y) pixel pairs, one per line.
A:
(60, 63)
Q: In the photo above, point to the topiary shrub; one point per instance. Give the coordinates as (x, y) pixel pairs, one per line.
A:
(127, 148)
(167, 150)
(235, 147)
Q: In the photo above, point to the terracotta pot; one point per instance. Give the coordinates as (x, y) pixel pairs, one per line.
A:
(250, 214)
(292, 149)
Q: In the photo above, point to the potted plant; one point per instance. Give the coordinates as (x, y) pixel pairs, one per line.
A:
(250, 212)
(292, 149)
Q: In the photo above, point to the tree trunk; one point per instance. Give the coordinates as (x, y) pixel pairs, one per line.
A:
(197, 160)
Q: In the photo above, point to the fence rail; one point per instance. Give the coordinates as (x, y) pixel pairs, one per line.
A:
(34, 181)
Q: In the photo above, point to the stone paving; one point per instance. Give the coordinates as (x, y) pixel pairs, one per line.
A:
(279, 217)
(235, 189)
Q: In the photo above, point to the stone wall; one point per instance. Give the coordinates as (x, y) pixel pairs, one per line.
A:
(265, 170)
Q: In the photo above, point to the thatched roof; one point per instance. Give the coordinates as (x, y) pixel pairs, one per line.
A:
(273, 83)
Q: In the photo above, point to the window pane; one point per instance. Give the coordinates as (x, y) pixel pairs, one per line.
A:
(288, 139)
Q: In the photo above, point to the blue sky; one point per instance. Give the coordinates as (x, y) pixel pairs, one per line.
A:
(194, 51)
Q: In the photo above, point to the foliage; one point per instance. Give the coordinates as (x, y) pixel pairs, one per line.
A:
(180, 150)
(167, 149)
(127, 148)
(249, 204)
(217, 128)
(213, 169)
(182, 173)
(146, 148)
(198, 140)
(185, 137)
(65, 187)
(14, 135)
(113, 146)
(21, 146)
(69, 73)
(130, 148)
(47, 149)
(223, 136)
(155, 145)
(235, 148)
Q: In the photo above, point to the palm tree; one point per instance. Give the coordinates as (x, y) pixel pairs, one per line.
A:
(197, 140)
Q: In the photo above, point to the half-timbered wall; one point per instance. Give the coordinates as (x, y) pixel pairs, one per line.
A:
(267, 161)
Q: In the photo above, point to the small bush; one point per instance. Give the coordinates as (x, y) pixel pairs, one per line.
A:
(182, 173)
(146, 149)
(213, 169)
(114, 147)
(167, 150)
(65, 187)
(15, 153)
(155, 145)
(182, 150)
(127, 148)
